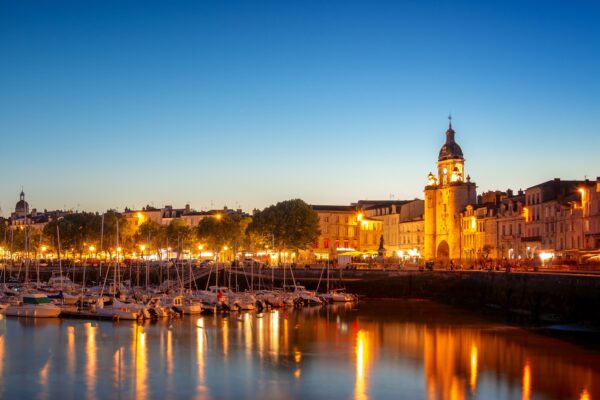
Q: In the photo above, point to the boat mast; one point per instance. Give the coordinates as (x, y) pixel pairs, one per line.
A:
(59, 259)
(101, 246)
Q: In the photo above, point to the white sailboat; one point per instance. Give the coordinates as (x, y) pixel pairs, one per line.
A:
(35, 305)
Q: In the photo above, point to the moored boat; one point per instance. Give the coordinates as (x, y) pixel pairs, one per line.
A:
(35, 305)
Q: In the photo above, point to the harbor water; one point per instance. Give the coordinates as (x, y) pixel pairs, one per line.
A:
(370, 350)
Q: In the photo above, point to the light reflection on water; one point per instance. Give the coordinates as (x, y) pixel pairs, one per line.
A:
(414, 350)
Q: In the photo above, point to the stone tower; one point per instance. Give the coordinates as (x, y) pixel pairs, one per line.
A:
(446, 196)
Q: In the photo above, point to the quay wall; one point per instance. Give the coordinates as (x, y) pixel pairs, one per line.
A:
(529, 297)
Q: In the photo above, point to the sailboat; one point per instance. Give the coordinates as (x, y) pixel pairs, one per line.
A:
(35, 305)
(336, 295)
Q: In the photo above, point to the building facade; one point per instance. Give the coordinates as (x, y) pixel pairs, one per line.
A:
(339, 227)
(446, 196)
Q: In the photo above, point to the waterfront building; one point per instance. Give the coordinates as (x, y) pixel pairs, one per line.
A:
(446, 195)
(403, 230)
(479, 236)
(511, 226)
(167, 214)
(590, 198)
(339, 227)
(553, 223)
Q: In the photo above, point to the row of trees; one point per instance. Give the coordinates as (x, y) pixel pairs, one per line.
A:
(288, 225)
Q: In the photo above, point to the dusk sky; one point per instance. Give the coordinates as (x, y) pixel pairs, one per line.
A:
(108, 104)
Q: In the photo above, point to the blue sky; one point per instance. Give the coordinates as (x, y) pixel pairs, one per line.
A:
(107, 104)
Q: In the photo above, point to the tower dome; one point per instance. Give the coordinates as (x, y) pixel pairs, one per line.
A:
(450, 150)
(22, 206)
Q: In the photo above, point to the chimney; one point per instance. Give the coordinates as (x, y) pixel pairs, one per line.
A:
(509, 192)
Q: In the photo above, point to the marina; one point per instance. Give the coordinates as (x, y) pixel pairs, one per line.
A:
(120, 299)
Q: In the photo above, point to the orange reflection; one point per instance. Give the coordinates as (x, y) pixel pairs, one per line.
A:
(201, 389)
(261, 337)
(141, 369)
(169, 352)
(442, 364)
(44, 381)
(247, 335)
(90, 365)
(274, 334)
(297, 356)
(117, 358)
(362, 358)
(584, 395)
(526, 381)
(225, 336)
(473, 380)
(71, 351)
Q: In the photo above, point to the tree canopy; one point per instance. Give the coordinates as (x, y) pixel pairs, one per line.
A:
(290, 224)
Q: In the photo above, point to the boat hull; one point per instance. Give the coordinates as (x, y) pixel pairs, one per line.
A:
(28, 311)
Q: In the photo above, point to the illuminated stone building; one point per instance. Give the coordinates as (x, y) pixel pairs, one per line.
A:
(554, 217)
(590, 199)
(511, 226)
(446, 196)
(167, 214)
(339, 227)
(403, 230)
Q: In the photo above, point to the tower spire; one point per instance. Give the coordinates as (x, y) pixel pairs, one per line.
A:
(449, 120)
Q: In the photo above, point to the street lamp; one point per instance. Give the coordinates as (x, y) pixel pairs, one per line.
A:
(142, 249)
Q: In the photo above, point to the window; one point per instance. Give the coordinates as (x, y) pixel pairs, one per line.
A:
(326, 243)
(337, 243)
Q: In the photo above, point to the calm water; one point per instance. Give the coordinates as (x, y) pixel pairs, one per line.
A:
(376, 350)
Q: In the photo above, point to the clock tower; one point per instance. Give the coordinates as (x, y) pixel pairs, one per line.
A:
(446, 196)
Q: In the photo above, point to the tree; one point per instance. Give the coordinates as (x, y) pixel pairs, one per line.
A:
(290, 224)
(178, 235)
(218, 232)
(77, 232)
(152, 234)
